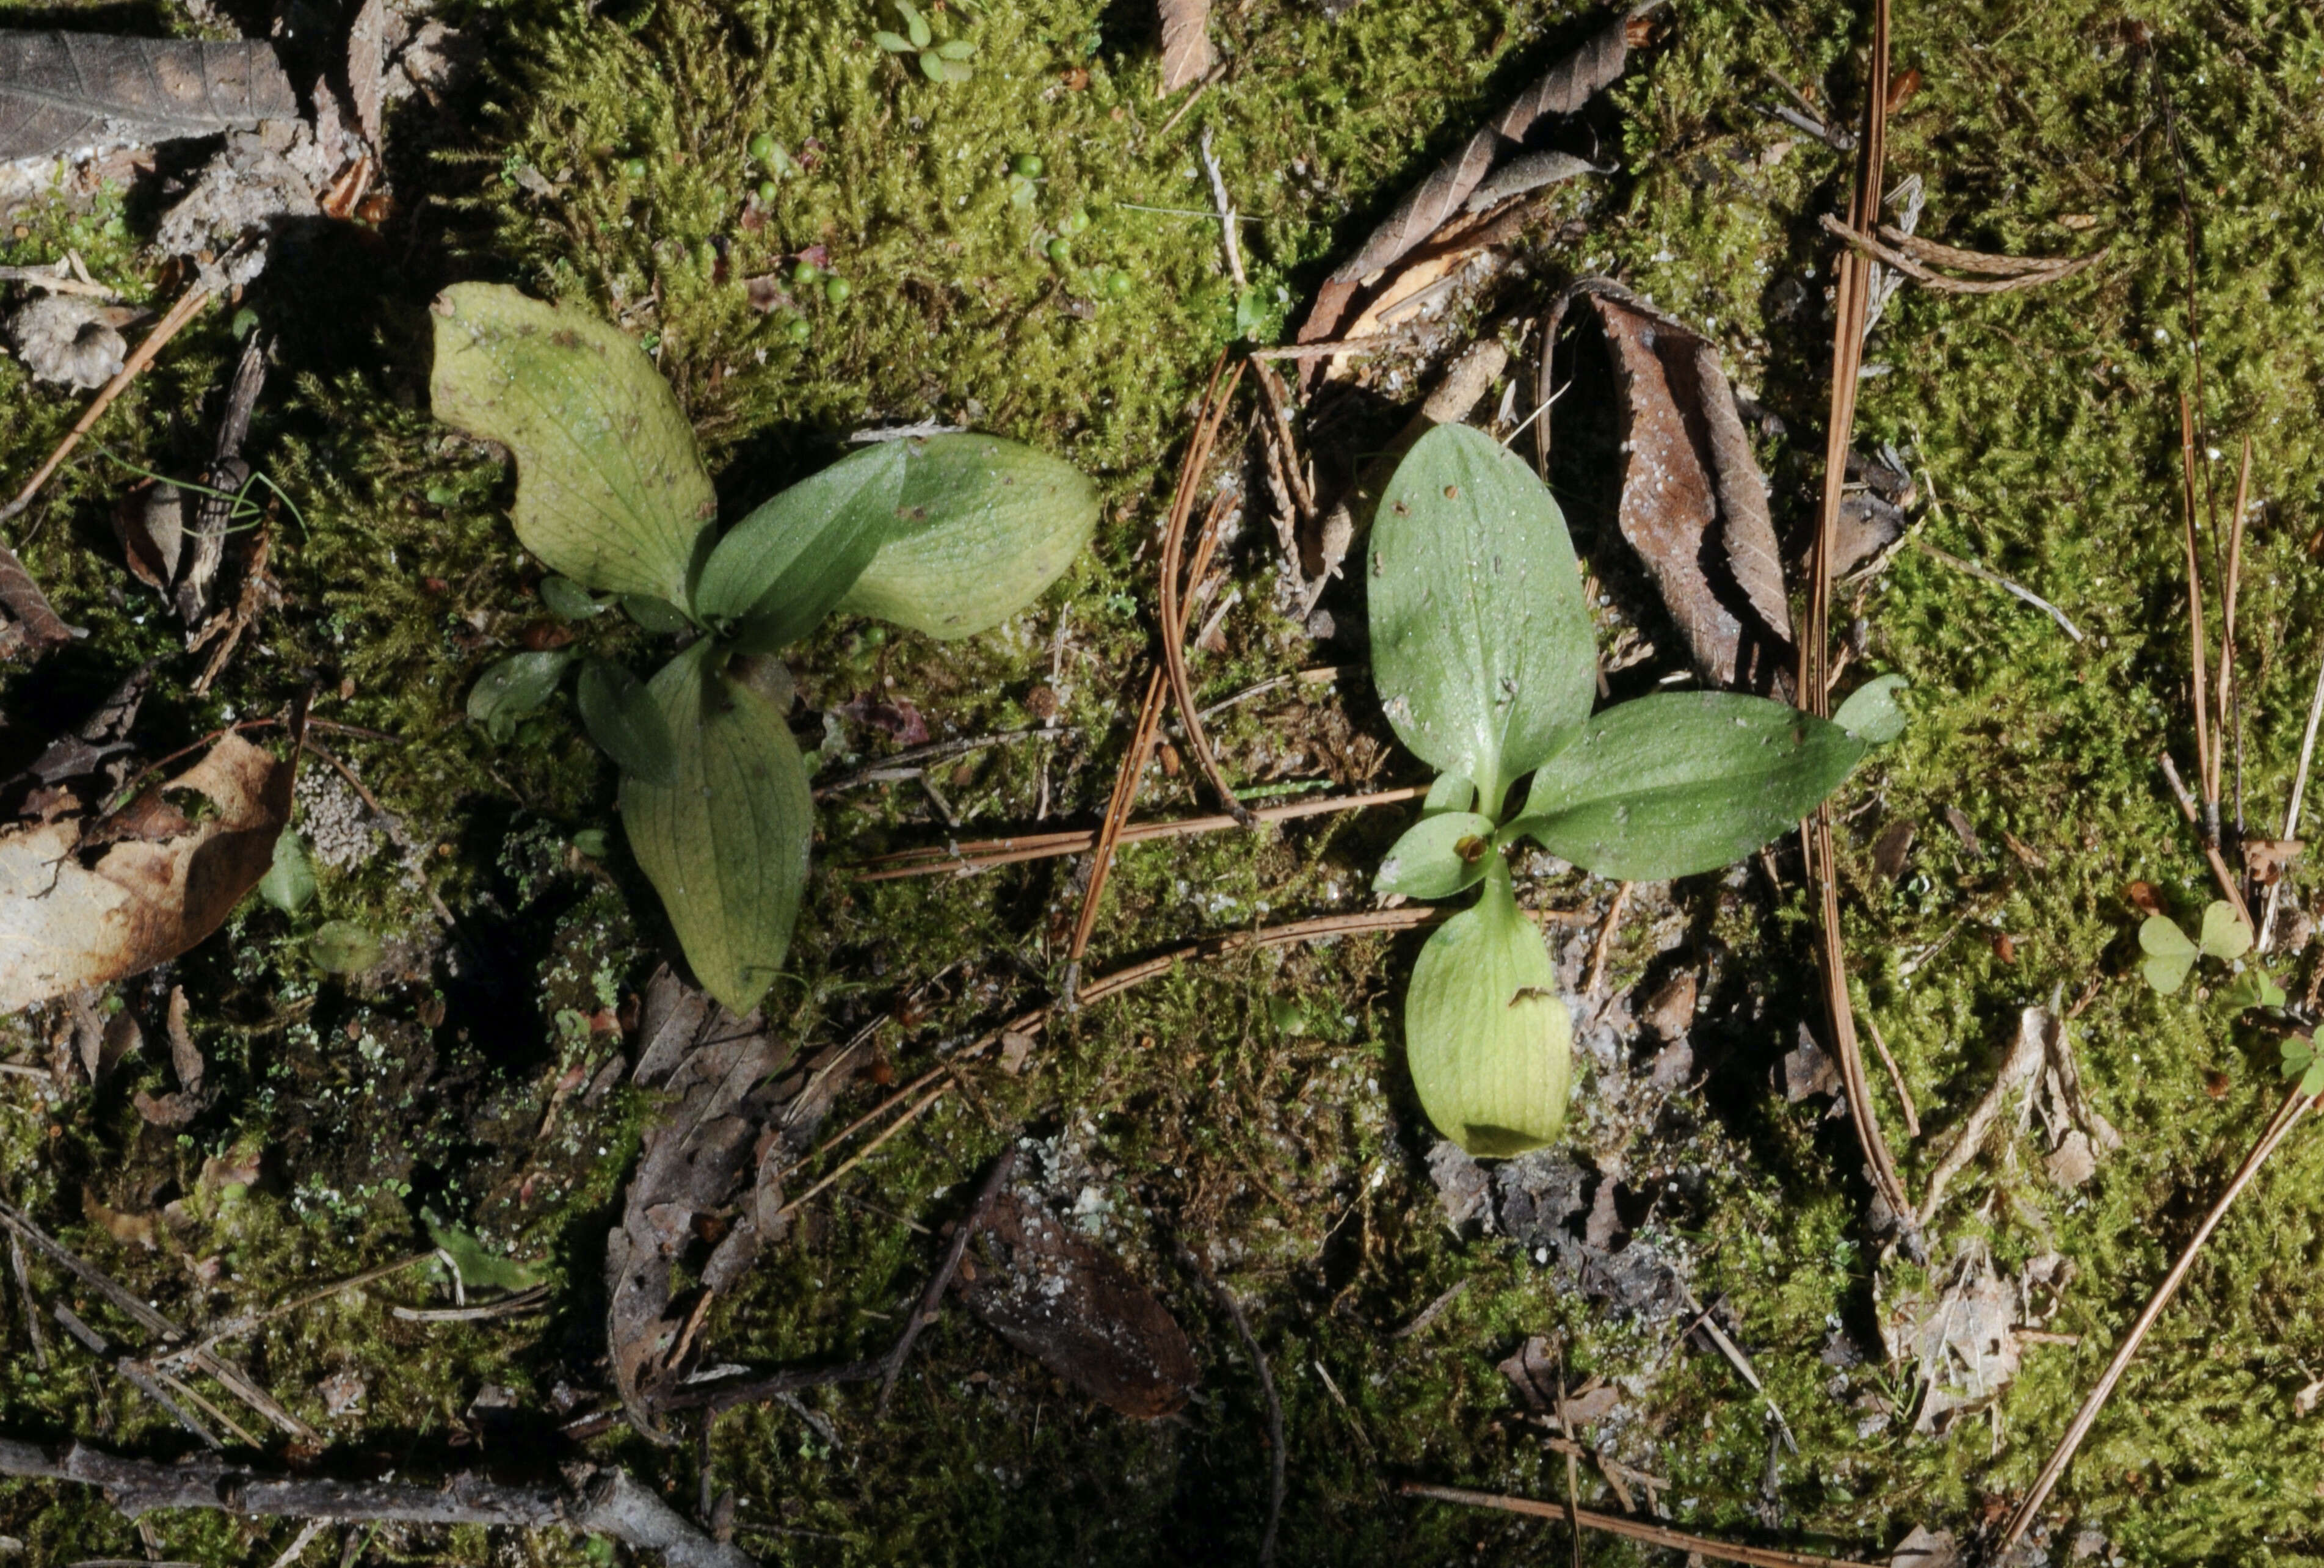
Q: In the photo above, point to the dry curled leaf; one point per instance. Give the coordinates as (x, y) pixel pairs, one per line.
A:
(62, 90)
(72, 341)
(1444, 194)
(710, 1166)
(1185, 43)
(2268, 858)
(71, 916)
(1694, 505)
(1078, 1311)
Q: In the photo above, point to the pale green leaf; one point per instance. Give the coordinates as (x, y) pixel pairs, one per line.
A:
(1481, 645)
(2170, 954)
(289, 883)
(479, 1269)
(1442, 853)
(512, 687)
(958, 70)
(1488, 1039)
(932, 65)
(1872, 712)
(625, 720)
(1450, 792)
(726, 845)
(2226, 935)
(984, 526)
(917, 23)
(343, 947)
(1683, 782)
(894, 43)
(610, 489)
(2253, 987)
(956, 48)
(777, 572)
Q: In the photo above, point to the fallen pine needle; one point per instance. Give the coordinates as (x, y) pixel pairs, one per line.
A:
(1635, 1530)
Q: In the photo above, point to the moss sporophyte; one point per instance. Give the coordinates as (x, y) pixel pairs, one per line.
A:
(948, 535)
(1482, 656)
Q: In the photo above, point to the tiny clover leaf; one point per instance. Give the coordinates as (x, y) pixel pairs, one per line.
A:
(2168, 953)
(2251, 987)
(2226, 935)
(1438, 856)
(289, 883)
(2301, 1061)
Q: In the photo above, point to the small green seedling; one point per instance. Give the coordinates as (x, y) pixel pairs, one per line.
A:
(2170, 954)
(2301, 1061)
(1483, 659)
(939, 62)
(949, 535)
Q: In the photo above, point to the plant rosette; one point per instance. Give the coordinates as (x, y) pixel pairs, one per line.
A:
(1483, 658)
(948, 535)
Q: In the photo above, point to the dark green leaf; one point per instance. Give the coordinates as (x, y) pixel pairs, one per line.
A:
(658, 616)
(513, 686)
(1489, 1040)
(726, 845)
(568, 600)
(1480, 641)
(1683, 782)
(625, 720)
(610, 489)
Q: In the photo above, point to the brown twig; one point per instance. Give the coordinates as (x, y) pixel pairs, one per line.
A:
(1850, 308)
(1921, 248)
(1895, 1076)
(932, 1297)
(986, 854)
(2205, 742)
(1117, 806)
(906, 763)
(1605, 942)
(1635, 1530)
(2229, 888)
(235, 1327)
(1216, 403)
(2228, 691)
(189, 306)
(1321, 350)
(2287, 1116)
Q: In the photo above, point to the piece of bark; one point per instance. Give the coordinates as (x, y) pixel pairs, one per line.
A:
(65, 922)
(605, 1502)
(1185, 43)
(1693, 505)
(28, 626)
(62, 90)
(1078, 1311)
(1444, 193)
(368, 69)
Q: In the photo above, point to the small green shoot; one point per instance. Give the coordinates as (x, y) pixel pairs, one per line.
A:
(2301, 1061)
(940, 62)
(2170, 954)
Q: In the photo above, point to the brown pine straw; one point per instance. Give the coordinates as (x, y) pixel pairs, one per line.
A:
(1117, 816)
(189, 306)
(2206, 759)
(2023, 273)
(1854, 282)
(2287, 1116)
(1635, 1530)
(1216, 404)
(964, 860)
(2221, 709)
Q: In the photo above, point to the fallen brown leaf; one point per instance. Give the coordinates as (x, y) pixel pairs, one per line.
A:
(62, 90)
(1185, 43)
(1078, 1311)
(69, 921)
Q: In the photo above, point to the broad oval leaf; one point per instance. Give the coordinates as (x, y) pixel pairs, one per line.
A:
(726, 845)
(1872, 712)
(1442, 853)
(625, 720)
(983, 527)
(611, 490)
(289, 883)
(657, 617)
(344, 947)
(781, 569)
(513, 686)
(1683, 782)
(1450, 792)
(1480, 640)
(1487, 1038)
(2169, 953)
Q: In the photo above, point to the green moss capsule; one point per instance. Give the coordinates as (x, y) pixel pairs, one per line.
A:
(1028, 165)
(762, 148)
(837, 291)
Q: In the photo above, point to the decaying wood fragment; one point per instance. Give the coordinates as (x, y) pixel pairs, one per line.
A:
(63, 90)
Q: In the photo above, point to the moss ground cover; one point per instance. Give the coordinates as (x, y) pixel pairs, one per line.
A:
(1256, 1109)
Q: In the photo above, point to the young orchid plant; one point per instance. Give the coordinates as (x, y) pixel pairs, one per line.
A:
(1485, 663)
(949, 535)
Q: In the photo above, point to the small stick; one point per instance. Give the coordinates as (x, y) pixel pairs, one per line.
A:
(1987, 574)
(1605, 942)
(2287, 1116)
(1226, 211)
(2219, 872)
(2228, 613)
(1216, 401)
(1914, 270)
(26, 1070)
(1431, 1312)
(1320, 350)
(31, 1307)
(1919, 247)
(2299, 791)
(299, 1543)
(1903, 1095)
(1117, 816)
(235, 1327)
(2205, 769)
(866, 1152)
(1635, 1530)
(189, 306)
(933, 1298)
(891, 769)
(524, 1301)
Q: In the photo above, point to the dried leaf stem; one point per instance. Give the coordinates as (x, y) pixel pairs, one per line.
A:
(2229, 695)
(1635, 1530)
(2022, 272)
(2298, 792)
(189, 306)
(2287, 1116)
(1851, 307)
